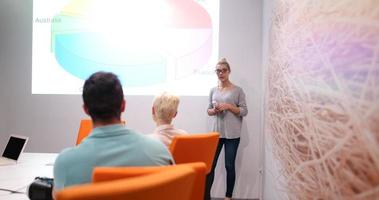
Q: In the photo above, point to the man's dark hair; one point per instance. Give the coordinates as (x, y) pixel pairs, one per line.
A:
(103, 96)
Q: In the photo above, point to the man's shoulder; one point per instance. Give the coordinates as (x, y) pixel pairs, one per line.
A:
(131, 132)
(65, 156)
(147, 139)
(73, 154)
(151, 142)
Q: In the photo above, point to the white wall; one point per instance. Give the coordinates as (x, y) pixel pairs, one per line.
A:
(9, 58)
(3, 102)
(240, 43)
(47, 120)
(51, 121)
(2, 111)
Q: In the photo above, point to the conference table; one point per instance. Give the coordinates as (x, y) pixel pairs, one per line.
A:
(17, 177)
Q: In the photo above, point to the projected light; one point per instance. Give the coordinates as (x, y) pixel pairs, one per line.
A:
(150, 45)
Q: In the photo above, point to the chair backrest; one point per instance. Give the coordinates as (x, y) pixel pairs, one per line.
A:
(101, 174)
(175, 183)
(85, 129)
(195, 148)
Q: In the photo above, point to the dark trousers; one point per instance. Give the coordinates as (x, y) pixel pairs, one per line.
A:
(230, 146)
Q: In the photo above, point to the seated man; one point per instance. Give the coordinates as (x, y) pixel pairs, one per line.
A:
(110, 143)
(164, 110)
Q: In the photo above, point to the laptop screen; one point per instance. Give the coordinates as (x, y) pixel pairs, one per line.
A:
(14, 147)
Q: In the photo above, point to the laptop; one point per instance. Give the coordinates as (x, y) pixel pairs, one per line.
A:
(13, 150)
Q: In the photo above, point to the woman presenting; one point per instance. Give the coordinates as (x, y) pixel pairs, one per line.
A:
(227, 105)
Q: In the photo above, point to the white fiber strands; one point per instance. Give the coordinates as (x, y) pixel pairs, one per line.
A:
(323, 97)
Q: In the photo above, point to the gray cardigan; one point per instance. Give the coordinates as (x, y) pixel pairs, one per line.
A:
(227, 123)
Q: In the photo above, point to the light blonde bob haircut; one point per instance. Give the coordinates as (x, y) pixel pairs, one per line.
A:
(165, 106)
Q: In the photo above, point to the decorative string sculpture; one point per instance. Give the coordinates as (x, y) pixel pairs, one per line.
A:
(323, 97)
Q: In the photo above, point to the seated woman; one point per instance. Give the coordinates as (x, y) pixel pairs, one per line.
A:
(164, 110)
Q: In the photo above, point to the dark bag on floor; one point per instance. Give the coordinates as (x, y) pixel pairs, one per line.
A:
(41, 189)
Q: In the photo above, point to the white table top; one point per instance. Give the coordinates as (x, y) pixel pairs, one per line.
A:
(18, 177)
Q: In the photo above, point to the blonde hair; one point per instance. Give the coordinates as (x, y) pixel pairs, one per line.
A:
(223, 61)
(165, 106)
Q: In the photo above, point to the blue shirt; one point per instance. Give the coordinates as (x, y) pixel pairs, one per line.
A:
(112, 145)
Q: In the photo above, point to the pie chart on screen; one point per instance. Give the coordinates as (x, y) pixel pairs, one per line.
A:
(143, 42)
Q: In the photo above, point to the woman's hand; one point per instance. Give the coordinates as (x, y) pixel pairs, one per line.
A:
(223, 106)
(227, 106)
(213, 111)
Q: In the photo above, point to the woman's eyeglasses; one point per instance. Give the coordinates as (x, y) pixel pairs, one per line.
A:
(218, 71)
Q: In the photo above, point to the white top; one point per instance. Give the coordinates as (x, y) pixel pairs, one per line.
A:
(165, 133)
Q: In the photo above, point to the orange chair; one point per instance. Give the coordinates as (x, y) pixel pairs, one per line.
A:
(101, 174)
(195, 148)
(172, 184)
(85, 129)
